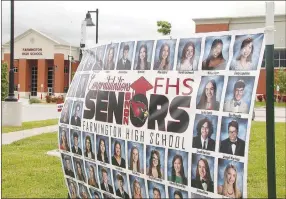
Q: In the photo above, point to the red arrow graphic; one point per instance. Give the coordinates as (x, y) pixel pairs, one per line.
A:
(141, 86)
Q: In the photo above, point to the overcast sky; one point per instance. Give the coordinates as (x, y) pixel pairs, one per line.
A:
(122, 20)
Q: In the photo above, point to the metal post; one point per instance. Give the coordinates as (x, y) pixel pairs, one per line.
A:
(96, 26)
(70, 67)
(83, 38)
(11, 97)
(270, 121)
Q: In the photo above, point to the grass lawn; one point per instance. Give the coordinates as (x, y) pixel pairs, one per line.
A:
(29, 125)
(257, 171)
(263, 104)
(27, 172)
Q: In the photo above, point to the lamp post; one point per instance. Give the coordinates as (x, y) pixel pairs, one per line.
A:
(270, 119)
(88, 22)
(11, 96)
(70, 61)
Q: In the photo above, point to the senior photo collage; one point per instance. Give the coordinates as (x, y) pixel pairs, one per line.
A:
(227, 65)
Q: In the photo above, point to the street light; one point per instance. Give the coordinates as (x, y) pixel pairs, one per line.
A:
(11, 96)
(70, 61)
(87, 22)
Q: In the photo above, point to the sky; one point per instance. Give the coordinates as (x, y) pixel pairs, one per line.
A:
(121, 20)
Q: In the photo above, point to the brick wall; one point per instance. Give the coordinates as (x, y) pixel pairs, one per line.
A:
(200, 28)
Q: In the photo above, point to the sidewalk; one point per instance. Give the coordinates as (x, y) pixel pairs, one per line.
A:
(8, 138)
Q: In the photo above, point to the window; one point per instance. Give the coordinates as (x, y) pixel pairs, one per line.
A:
(16, 88)
(50, 77)
(34, 78)
(66, 69)
(279, 58)
(15, 69)
(282, 57)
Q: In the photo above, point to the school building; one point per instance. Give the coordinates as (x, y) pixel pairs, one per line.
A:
(241, 23)
(41, 63)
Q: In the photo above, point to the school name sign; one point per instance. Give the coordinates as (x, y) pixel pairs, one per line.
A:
(163, 118)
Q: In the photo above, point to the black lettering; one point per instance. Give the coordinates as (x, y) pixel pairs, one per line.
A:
(136, 135)
(151, 137)
(83, 125)
(164, 139)
(87, 129)
(101, 106)
(155, 114)
(170, 141)
(177, 142)
(157, 138)
(115, 107)
(89, 112)
(180, 115)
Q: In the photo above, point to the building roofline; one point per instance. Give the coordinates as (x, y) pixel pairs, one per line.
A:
(229, 19)
(17, 38)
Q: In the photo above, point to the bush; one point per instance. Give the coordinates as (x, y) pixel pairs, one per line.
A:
(260, 98)
(280, 80)
(53, 99)
(60, 99)
(34, 100)
(4, 81)
(48, 99)
(264, 97)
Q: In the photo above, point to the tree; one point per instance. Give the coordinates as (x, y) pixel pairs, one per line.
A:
(164, 27)
(280, 81)
(4, 81)
(72, 75)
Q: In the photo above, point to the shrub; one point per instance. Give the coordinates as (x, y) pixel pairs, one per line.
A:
(60, 99)
(284, 99)
(280, 80)
(4, 81)
(54, 99)
(34, 100)
(260, 98)
(48, 99)
(264, 97)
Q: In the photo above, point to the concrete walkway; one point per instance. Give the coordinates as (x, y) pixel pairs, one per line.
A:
(8, 138)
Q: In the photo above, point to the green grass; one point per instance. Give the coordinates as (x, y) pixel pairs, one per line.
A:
(257, 170)
(27, 172)
(263, 104)
(29, 125)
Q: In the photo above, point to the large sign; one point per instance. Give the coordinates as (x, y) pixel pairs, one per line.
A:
(32, 51)
(163, 118)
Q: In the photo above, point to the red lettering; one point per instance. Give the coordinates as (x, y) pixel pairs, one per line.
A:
(177, 86)
(125, 120)
(127, 98)
(127, 104)
(126, 113)
(185, 82)
(156, 85)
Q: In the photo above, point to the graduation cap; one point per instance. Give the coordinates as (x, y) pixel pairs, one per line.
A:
(141, 86)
